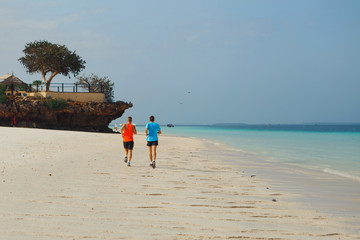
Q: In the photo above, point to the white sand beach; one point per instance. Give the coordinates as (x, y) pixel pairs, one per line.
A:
(75, 185)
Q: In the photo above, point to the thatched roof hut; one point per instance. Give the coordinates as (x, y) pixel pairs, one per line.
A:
(3, 77)
(12, 80)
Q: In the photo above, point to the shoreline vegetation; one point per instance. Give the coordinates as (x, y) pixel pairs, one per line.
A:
(67, 184)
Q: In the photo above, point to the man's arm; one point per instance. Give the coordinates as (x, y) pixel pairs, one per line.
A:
(146, 129)
(123, 127)
(134, 130)
(159, 131)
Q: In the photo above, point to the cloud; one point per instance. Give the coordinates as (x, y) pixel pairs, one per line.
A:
(17, 27)
(36, 16)
(13, 23)
(192, 38)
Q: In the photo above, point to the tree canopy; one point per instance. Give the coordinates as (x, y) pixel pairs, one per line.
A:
(50, 58)
(98, 84)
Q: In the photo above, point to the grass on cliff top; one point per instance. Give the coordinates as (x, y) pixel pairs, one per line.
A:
(56, 104)
(2, 94)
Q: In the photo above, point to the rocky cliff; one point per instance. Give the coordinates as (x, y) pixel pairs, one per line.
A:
(42, 113)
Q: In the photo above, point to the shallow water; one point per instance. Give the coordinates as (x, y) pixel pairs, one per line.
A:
(331, 152)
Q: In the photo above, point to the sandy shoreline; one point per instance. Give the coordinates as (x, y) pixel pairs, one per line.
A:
(328, 193)
(75, 185)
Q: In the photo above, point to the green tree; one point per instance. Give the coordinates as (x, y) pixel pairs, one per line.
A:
(3, 93)
(98, 84)
(50, 58)
(36, 82)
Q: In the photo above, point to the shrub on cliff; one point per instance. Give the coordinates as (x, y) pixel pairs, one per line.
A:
(3, 98)
(56, 104)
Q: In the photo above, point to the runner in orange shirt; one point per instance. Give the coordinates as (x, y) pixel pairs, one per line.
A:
(127, 131)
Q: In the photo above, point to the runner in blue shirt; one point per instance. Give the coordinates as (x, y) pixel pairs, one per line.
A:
(152, 130)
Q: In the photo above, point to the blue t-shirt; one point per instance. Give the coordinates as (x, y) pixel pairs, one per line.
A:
(153, 129)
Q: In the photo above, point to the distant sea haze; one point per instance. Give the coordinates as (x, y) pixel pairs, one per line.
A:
(315, 127)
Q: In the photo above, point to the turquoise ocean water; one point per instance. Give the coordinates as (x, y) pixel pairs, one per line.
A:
(331, 149)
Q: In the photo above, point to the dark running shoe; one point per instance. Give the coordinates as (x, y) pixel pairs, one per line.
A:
(154, 164)
(125, 159)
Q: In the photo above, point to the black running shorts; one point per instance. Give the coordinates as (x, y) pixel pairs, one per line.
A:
(154, 143)
(129, 145)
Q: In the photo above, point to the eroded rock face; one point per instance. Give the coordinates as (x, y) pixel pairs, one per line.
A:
(91, 116)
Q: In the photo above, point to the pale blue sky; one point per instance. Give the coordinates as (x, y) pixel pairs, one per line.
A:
(270, 61)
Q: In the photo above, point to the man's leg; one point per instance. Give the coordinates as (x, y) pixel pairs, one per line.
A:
(126, 155)
(130, 155)
(154, 151)
(126, 151)
(153, 148)
(150, 153)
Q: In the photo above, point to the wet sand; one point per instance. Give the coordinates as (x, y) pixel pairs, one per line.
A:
(75, 185)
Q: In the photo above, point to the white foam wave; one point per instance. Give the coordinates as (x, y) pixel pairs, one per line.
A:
(342, 174)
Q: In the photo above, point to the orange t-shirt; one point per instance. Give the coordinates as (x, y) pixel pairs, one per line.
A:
(128, 133)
